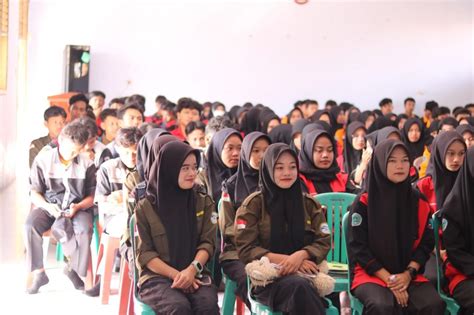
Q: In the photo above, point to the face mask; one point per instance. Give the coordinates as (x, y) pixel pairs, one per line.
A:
(218, 113)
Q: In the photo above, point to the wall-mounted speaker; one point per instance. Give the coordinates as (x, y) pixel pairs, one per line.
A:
(77, 66)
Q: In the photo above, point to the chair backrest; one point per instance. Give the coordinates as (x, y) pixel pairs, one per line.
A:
(336, 205)
(345, 231)
(133, 241)
(436, 221)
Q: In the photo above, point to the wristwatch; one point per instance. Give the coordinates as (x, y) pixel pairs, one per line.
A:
(413, 272)
(197, 265)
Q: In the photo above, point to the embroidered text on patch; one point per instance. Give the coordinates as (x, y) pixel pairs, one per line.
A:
(241, 224)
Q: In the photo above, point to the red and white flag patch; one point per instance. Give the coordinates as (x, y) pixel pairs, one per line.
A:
(241, 224)
(225, 196)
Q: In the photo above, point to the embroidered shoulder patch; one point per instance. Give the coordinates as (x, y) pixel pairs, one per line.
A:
(214, 218)
(241, 224)
(356, 219)
(444, 224)
(225, 197)
(324, 228)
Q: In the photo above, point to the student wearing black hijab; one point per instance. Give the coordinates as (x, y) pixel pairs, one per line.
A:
(144, 148)
(379, 123)
(467, 132)
(414, 137)
(251, 121)
(368, 118)
(296, 134)
(234, 191)
(354, 143)
(321, 115)
(319, 171)
(390, 239)
(176, 230)
(458, 236)
(222, 160)
(295, 115)
(287, 227)
(447, 156)
(268, 120)
(401, 120)
(281, 134)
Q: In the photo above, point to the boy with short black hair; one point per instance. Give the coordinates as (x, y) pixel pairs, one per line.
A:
(93, 148)
(62, 189)
(386, 106)
(409, 105)
(187, 110)
(97, 101)
(109, 125)
(428, 115)
(130, 116)
(196, 134)
(78, 106)
(54, 120)
(156, 118)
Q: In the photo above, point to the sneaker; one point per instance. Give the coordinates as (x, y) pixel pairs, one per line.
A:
(39, 280)
(94, 291)
(74, 277)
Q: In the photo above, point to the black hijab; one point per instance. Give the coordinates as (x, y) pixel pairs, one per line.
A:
(175, 207)
(459, 209)
(317, 125)
(144, 148)
(443, 179)
(246, 181)
(317, 116)
(392, 212)
(217, 172)
(233, 114)
(380, 135)
(415, 149)
(461, 129)
(266, 116)
(154, 149)
(298, 126)
(251, 122)
(365, 115)
(281, 133)
(352, 156)
(321, 178)
(285, 206)
(379, 123)
(333, 114)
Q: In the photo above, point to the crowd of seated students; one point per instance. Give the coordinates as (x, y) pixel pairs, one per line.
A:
(191, 170)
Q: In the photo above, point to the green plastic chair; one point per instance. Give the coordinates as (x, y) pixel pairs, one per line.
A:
(139, 307)
(356, 305)
(95, 236)
(228, 303)
(451, 306)
(258, 308)
(337, 205)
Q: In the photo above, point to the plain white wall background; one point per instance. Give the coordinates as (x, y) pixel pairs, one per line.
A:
(273, 52)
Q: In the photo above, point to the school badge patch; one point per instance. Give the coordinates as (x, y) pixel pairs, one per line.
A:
(324, 228)
(356, 219)
(214, 218)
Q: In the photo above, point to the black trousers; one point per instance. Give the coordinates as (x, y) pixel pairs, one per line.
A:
(423, 300)
(430, 270)
(464, 296)
(158, 294)
(235, 270)
(291, 294)
(40, 221)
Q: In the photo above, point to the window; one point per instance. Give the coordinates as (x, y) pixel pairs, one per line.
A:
(3, 44)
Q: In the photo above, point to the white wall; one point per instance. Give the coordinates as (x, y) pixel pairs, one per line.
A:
(273, 52)
(9, 147)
